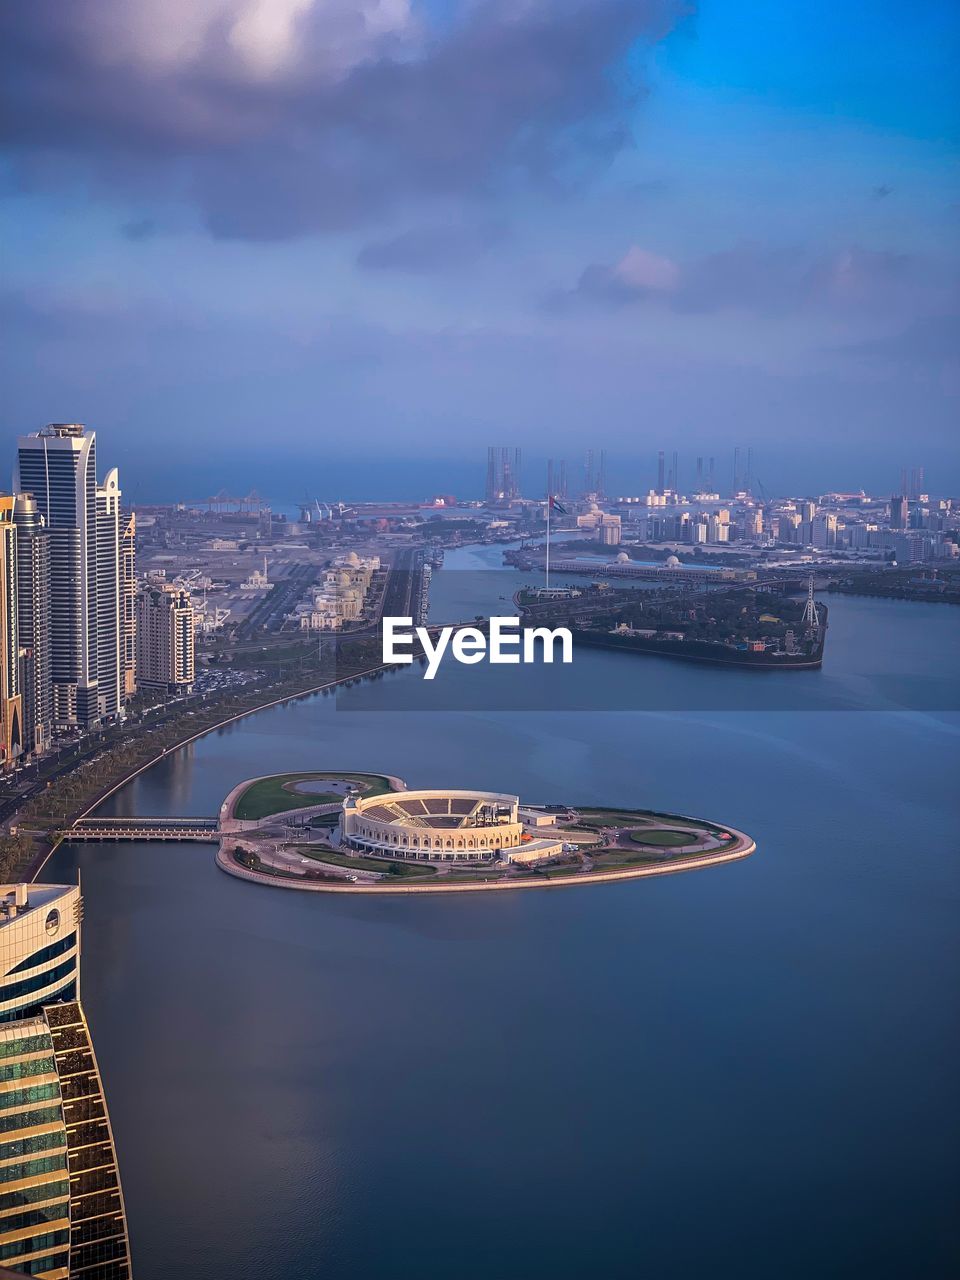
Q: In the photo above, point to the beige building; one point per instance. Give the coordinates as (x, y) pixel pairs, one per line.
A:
(128, 608)
(442, 826)
(342, 594)
(165, 637)
(11, 703)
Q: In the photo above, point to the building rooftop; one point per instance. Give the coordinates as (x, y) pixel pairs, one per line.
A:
(18, 900)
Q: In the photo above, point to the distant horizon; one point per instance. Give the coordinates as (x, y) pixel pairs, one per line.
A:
(404, 478)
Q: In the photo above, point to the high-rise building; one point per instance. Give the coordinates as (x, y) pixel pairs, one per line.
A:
(899, 511)
(128, 607)
(165, 637)
(109, 695)
(58, 466)
(823, 531)
(33, 622)
(11, 703)
(61, 1206)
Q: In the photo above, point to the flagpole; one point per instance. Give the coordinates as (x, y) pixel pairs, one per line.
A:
(549, 505)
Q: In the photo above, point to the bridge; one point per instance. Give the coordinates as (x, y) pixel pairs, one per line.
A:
(143, 829)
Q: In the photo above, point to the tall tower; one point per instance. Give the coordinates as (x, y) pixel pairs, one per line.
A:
(11, 703)
(128, 607)
(517, 462)
(660, 480)
(675, 473)
(109, 695)
(33, 616)
(550, 489)
(58, 466)
(736, 470)
(602, 475)
(492, 487)
(563, 477)
(57, 1158)
(700, 475)
(589, 483)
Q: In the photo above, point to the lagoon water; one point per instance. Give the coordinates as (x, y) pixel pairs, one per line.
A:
(747, 1071)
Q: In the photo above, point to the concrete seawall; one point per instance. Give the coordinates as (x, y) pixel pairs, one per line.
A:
(743, 848)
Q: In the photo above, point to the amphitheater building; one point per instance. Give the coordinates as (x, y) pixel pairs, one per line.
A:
(443, 826)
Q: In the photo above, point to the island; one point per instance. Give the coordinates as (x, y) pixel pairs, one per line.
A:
(359, 832)
(755, 627)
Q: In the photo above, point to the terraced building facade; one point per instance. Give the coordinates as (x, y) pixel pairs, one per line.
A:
(61, 1205)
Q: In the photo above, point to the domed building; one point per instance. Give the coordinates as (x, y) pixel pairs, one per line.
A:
(672, 562)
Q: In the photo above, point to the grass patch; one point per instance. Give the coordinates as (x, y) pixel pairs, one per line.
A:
(618, 858)
(612, 817)
(397, 869)
(663, 838)
(269, 795)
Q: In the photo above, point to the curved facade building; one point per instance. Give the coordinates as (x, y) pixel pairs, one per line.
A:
(61, 1207)
(439, 826)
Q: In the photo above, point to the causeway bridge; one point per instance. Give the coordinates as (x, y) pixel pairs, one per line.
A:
(143, 829)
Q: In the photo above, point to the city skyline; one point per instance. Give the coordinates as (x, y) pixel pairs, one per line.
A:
(697, 227)
(470, 465)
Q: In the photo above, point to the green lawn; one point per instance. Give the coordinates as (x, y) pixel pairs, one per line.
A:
(615, 859)
(270, 796)
(612, 817)
(663, 838)
(397, 869)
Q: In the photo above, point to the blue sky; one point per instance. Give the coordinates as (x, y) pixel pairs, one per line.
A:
(267, 234)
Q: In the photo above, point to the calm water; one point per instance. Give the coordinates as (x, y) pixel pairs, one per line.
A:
(747, 1071)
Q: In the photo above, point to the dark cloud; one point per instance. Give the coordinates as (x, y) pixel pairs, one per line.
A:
(319, 121)
(425, 249)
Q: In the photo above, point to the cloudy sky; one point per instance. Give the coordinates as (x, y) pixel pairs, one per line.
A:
(329, 236)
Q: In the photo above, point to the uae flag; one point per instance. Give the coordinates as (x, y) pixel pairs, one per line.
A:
(557, 506)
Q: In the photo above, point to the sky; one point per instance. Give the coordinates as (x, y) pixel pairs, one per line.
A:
(341, 246)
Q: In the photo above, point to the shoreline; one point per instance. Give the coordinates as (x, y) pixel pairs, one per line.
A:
(692, 863)
(231, 828)
(36, 866)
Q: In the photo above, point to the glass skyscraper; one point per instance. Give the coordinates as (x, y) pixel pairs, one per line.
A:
(58, 467)
(61, 1206)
